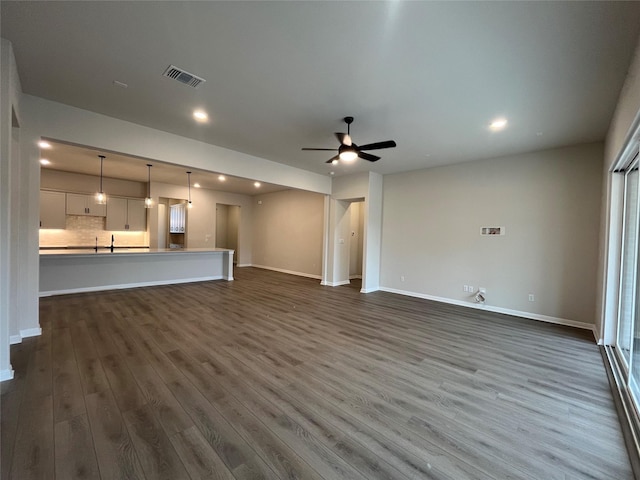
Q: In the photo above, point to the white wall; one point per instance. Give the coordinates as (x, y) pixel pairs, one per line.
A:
(548, 201)
(373, 234)
(288, 232)
(18, 298)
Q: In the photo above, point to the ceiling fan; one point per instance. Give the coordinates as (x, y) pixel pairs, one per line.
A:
(348, 150)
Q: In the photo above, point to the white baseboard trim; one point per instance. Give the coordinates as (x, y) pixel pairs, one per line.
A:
(369, 290)
(6, 374)
(26, 333)
(31, 332)
(290, 272)
(336, 284)
(596, 336)
(241, 265)
(354, 277)
(130, 285)
(491, 308)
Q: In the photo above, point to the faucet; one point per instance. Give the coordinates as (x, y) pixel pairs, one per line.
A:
(112, 243)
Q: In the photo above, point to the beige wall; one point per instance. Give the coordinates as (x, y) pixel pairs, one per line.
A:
(233, 228)
(288, 230)
(227, 226)
(222, 221)
(548, 201)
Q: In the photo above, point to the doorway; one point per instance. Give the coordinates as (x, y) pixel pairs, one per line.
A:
(172, 223)
(356, 239)
(227, 226)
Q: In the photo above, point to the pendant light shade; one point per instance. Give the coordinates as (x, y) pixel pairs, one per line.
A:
(148, 203)
(190, 205)
(101, 198)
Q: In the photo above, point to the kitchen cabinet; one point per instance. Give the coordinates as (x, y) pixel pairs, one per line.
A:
(177, 218)
(79, 204)
(126, 214)
(136, 214)
(52, 209)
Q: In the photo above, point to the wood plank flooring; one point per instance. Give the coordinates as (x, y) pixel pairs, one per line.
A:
(276, 377)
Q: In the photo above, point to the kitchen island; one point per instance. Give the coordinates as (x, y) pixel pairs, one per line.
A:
(64, 271)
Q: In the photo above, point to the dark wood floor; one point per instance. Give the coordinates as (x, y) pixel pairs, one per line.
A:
(273, 376)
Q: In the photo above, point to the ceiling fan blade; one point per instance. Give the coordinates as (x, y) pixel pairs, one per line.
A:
(322, 149)
(368, 156)
(333, 158)
(378, 145)
(344, 138)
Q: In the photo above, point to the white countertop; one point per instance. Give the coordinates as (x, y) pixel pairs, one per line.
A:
(90, 252)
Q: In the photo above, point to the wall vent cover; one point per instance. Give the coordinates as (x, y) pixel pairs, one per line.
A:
(183, 76)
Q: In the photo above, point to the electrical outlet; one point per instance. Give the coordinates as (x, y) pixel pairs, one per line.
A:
(471, 289)
(465, 288)
(532, 297)
(402, 278)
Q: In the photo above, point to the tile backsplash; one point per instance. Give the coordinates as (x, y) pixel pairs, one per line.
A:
(81, 231)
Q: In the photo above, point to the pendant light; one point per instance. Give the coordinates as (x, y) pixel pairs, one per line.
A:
(148, 203)
(101, 198)
(190, 205)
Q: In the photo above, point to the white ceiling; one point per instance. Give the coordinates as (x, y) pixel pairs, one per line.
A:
(281, 75)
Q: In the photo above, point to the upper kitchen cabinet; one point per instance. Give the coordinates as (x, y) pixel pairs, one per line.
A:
(126, 214)
(79, 204)
(52, 210)
(136, 214)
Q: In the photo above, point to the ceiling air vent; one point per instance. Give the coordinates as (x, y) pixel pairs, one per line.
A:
(183, 76)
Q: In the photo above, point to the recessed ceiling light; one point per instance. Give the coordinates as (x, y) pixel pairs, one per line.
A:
(222, 178)
(498, 124)
(256, 184)
(196, 185)
(200, 115)
(332, 173)
(334, 161)
(44, 161)
(44, 144)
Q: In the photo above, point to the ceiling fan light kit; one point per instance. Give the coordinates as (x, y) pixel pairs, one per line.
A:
(349, 151)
